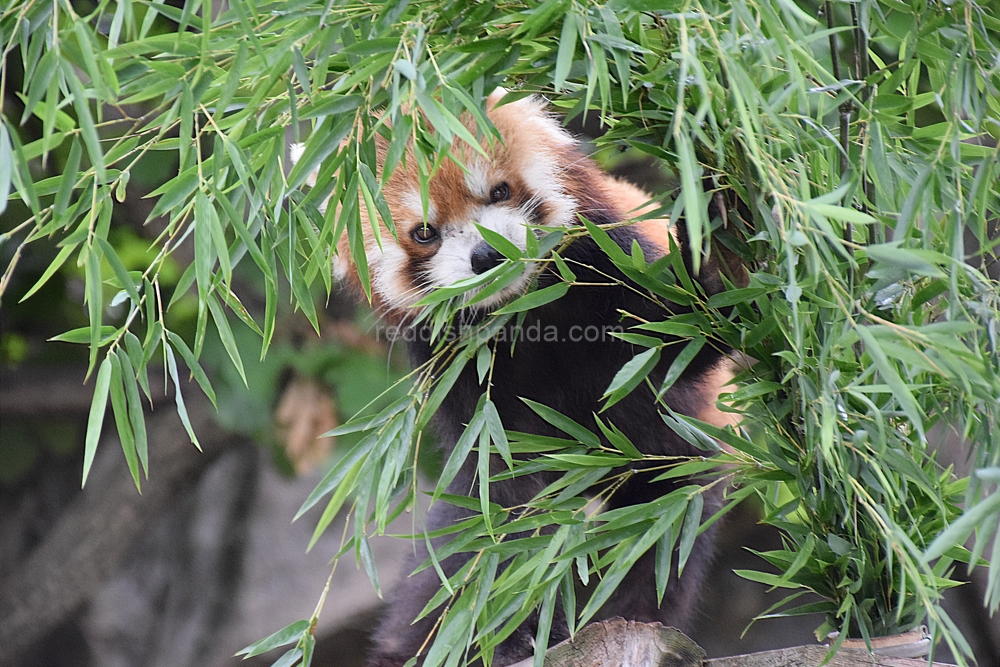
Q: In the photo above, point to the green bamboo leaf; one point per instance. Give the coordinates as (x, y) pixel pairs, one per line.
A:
(287, 635)
(85, 44)
(178, 396)
(120, 271)
(461, 452)
(590, 460)
(564, 424)
(693, 198)
(670, 328)
(900, 391)
(692, 521)
(541, 17)
(204, 250)
(335, 478)
(484, 358)
(535, 299)
(94, 295)
(270, 313)
(54, 266)
(368, 561)
(441, 389)
(291, 657)
(839, 213)
(226, 334)
(959, 531)
(96, 418)
(119, 405)
(501, 243)
(545, 616)
(67, 182)
(607, 244)
(922, 262)
(114, 33)
(664, 560)
(483, 475)
(498, 279)
(618, 439)
(135, 415)
(567, 50)
(86, 122)
(6, 165)
(372, 46)
(801, 558)
(221, 248)
(343, 491)
(629, 376)
(390, 14)
(20, 175)
(186, 124)
(301, 70)
(192, 363)
(564, 270)
(737, 296)
(173, 193)
(497, 434)
(680, 363)
(39, 82)
(688, 469)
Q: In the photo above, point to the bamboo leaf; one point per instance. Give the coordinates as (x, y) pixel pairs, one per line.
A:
(283, 637)
(135, 415)
(692, 521)
(178, 397)
(535, 299)
(900, 391)
(958, 531)
(226, 334)
(119, 406)
(54, 266)
(567, 50)
(680, 363)
(564, 424)
(95, 420)
(6, 165)
(629, 376)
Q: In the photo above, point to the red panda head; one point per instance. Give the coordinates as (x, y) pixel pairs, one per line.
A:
(535, 176)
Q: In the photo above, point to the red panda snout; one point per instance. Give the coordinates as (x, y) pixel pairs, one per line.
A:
(484, 257)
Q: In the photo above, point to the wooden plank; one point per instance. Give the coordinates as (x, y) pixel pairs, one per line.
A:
(620, 643)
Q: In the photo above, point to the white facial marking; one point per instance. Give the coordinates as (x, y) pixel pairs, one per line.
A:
(388, 268)
(411, 200)
(542, 178)
(341, 266)
(477, 179)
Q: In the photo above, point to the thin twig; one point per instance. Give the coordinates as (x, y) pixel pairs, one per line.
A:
(846, 108)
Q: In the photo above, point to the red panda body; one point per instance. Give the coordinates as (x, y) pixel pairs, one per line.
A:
(537, 177)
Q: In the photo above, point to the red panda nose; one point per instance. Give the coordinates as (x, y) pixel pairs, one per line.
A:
(484, 257)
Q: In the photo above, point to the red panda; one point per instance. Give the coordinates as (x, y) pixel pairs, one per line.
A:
(536, 176)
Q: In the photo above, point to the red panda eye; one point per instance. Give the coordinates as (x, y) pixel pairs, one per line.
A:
(500, 193)
(424, 234)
